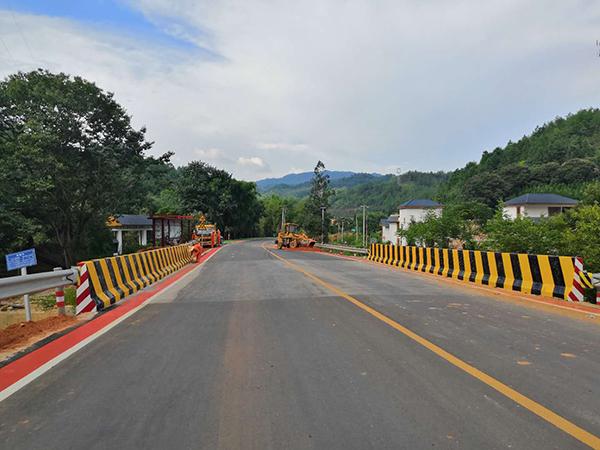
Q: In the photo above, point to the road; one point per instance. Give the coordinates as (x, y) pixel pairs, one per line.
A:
(250, 352)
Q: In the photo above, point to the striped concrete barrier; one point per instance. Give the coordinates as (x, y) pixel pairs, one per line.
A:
(550, 276)
(103, 282)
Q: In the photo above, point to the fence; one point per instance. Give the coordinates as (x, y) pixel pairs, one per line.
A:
(105, 281)
(343, 248)
(550, 276)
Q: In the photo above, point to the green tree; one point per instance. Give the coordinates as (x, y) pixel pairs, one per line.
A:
(232, 204)
(524, 235)
(583, 235)
(243, 218)
(316, 216)
(456, 222)
(69, 158)
(272, 205)
(591, 193)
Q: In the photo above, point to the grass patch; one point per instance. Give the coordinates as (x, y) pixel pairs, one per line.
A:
(48, 301)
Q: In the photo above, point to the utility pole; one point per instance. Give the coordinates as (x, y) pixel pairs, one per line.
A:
(364, 208)
(323, 224)
(342, 230)
(282, 217)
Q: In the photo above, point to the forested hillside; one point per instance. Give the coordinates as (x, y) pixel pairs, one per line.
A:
(562, 156)
(386, 193)
(302, 189)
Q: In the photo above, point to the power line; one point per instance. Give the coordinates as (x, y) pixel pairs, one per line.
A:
(22, 35)
(6, 48)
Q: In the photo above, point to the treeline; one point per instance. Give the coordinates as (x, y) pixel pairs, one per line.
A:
(69, 158)
(384, 194)
(562, 156)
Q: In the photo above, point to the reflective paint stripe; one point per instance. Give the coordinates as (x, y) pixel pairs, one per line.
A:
(550, 276)
(119, 284)
(135, 278)
(112, 279)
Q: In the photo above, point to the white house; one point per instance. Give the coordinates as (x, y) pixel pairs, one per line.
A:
(537, 205)
(415, 210)
(389, 227)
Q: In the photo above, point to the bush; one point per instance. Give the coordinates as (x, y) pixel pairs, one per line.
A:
(457, 222)
(524, 235)
(574, 233)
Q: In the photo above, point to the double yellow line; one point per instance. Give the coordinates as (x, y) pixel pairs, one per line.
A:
(536, 408)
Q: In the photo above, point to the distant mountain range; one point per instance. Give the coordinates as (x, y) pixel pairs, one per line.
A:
(295, 179)
(559, 157)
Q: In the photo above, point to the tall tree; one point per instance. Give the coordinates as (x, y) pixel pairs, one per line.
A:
(316, 215)
(232, 204)
(69, 157)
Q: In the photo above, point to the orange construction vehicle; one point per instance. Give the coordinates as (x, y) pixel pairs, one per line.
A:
(206, 234)
(291, 236)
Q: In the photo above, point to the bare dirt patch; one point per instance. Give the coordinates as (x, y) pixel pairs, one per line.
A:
(19, 336)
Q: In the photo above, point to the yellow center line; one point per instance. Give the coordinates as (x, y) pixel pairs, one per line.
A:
(533, 406)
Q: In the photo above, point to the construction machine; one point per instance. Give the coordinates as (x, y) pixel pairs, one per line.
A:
(292, 237)
(206, 234)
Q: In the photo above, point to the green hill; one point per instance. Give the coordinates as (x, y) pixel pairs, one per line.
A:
(562, 157)
(386, 193)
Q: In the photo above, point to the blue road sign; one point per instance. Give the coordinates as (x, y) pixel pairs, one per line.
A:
(24, 258)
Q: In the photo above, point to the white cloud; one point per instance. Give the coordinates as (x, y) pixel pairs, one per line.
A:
(285, 146)
(213, 155)
(252, 161)
(360, 85)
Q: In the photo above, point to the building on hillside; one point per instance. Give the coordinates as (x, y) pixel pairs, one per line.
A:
(130, 223)
(415, 210)
(537, 205)
(389, 227)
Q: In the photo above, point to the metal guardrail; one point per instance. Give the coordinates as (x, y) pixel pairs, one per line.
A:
(36, 282)
(343, 248)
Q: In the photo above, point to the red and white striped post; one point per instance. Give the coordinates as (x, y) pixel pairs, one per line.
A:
(577, 293)
(60, 297)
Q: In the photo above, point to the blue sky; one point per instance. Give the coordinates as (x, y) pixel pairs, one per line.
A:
(100, 13)
(263, 88)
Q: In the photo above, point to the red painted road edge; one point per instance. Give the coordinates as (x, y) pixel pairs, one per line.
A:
(20, 368)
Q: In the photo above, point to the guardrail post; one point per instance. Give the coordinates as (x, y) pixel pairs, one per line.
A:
(60, 297)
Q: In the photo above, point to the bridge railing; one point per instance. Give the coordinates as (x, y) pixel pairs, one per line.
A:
(36, 282)
(343, 248)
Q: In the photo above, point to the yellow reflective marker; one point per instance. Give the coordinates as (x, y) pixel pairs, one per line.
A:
(541, 411)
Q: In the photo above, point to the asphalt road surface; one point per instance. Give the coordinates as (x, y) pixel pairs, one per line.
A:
(251, 353)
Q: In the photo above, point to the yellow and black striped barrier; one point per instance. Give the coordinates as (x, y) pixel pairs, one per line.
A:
(105, 281)
(546, 275)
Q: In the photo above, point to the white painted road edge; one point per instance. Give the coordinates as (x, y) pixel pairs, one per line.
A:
(64, 355)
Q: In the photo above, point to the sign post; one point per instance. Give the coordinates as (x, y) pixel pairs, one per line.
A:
(26, 299)
(22, 260)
